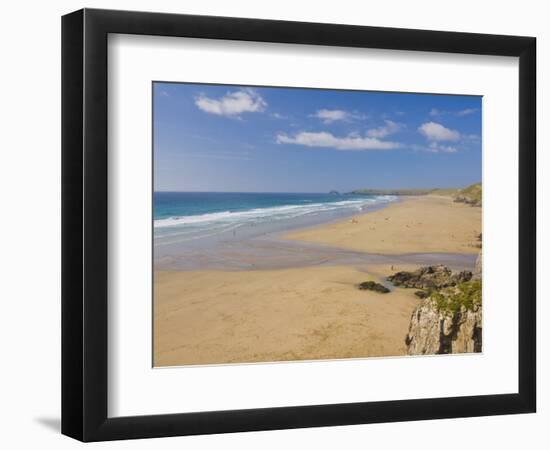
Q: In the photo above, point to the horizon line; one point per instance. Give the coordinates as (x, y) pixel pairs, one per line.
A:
(328, 191)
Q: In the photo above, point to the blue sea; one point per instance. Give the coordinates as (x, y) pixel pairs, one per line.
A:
(200, 214)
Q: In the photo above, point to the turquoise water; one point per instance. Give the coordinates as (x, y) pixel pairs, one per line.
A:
(204, 213)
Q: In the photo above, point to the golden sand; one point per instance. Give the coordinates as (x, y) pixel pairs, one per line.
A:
(425, 224)
(214, 317)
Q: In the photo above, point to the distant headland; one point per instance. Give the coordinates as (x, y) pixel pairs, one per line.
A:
(470, 194)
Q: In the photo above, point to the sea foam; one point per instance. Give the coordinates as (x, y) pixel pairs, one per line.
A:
(257, 215)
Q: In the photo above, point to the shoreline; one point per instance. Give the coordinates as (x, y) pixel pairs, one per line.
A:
(260, 242)
(319, 244)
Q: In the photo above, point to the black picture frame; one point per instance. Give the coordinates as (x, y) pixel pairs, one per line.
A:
(84, 224)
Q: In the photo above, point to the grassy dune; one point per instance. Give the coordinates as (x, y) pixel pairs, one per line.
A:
(470, 195)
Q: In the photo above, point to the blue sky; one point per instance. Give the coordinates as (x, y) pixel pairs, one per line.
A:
(256, 139)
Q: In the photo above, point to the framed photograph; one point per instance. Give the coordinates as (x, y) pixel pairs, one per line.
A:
(273, 225)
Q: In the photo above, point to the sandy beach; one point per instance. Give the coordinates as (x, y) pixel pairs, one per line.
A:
(417, 224)
(314, 312)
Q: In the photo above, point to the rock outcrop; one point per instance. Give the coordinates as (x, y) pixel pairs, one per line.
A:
(430, 277)
(449, 317)
(373, 286)
(449, 321)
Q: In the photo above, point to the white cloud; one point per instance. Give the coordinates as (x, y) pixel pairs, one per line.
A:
(232, 104)
(434, 147)
(390, 127)
(331, 115)
(323, 139)
(437, 132)
(466, 112)
(434, 112)
(334, 115)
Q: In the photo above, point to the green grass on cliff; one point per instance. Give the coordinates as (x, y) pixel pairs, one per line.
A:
(467, 295)
(472, 192)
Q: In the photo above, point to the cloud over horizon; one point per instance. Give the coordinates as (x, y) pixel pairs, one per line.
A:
(466, 112)
(436, 132)
(232, 104)
(328, 116)
(388, 128)
(434, 147)
(323, 139)
(434, 112)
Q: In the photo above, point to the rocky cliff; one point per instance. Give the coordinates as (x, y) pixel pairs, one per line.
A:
(448, 321)
(449, 318)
